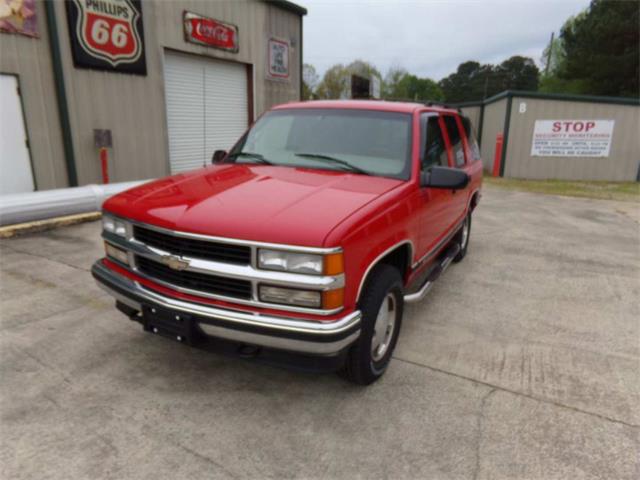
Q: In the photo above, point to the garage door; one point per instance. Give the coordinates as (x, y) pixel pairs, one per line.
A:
(207, 108)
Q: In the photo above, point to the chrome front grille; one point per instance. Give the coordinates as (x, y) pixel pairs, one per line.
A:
(194, 248)
(212, 284)
(215, 267)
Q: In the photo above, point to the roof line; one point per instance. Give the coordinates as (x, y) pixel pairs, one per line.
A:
(551, 96)
(289, 6)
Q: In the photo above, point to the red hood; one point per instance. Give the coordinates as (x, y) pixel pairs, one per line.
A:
(252, 202)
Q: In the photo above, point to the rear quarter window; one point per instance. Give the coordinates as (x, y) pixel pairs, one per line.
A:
(471, 139)
(455, 139)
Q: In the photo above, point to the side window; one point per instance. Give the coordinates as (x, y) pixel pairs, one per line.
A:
(471, 139)
(455, 139)
(435, 150)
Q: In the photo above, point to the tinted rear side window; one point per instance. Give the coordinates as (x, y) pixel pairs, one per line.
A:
(455, 139)
(471, 139)
(435, 150)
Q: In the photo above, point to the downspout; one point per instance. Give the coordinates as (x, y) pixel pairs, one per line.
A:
(301, 64)
(63, 108)
(480, 122)
(507, 124)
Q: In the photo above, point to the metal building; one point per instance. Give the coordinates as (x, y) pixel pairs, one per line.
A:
(552, 136)
(161, 85)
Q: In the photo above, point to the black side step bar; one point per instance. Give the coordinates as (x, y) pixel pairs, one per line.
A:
(442, 265)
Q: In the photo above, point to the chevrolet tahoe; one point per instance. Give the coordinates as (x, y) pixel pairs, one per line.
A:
(303, 242)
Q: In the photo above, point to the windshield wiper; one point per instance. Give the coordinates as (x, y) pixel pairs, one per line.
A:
(335, 160)
(254, 156)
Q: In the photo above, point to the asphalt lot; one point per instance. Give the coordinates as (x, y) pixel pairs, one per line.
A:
(523, 362)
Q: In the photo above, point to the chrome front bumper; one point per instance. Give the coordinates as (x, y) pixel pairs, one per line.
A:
(294, 335)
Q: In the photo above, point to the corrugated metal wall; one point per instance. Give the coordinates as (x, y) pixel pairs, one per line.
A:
(473, 113)
(624, 157)
(492, 125)
(30, 59)
(133, 106)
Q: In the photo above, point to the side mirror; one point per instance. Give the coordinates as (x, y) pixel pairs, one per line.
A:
(218, 156)
(444, 177)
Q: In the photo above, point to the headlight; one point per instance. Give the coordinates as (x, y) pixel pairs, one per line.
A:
(112, 225)
(290, 262)
(308, 263)
(116, 253)
(290, 296)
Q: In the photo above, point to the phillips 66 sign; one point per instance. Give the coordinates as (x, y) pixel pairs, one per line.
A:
(107, 35)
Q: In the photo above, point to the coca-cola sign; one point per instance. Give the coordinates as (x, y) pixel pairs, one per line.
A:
(210, 32)
(107, 34)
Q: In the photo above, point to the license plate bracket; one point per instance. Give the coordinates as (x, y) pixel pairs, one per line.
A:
(175, 325)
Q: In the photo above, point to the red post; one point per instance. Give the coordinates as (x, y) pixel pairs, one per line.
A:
(104, 162)
(497, 158)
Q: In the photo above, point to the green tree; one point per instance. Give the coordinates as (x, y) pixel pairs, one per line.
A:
(310, 79)
(363, 68)
(554, 60)
(336, 82)
(391, 80)
(473, 81)
(602, 49)
(518, 73)
(403, 85)
(553, 57)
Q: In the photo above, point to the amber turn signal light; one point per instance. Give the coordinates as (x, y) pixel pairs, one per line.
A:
(333, 264)
(333, 299)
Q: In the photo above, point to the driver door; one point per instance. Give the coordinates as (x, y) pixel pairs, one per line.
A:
(436, 209)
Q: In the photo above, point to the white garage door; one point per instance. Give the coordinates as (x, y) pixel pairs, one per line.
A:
(207, 108)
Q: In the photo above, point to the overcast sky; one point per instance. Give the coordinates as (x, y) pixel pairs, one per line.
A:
(429, 37)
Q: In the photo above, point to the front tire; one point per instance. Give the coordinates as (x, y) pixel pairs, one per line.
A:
(381, 304)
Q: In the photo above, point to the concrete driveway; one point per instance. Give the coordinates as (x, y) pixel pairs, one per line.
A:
(523, 362)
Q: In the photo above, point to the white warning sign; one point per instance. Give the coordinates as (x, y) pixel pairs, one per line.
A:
(572, 138)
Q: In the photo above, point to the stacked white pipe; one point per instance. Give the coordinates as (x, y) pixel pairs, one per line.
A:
(44, 204)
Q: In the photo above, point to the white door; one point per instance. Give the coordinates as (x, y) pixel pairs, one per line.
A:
(207, 108)
(15, 164)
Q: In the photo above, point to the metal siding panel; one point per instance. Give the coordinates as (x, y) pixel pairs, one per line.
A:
(284, 25)
(621, 165)
(102, 99)
(132, 106)
(30, 59)
(493, 124)
(256, 21)
(473, 113)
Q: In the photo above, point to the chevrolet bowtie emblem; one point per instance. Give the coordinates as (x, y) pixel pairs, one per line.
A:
(175, 263)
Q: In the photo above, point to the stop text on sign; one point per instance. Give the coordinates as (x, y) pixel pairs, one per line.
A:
(572, 138)
(573, 126)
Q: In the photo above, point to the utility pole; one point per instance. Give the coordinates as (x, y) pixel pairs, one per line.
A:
(546, 68)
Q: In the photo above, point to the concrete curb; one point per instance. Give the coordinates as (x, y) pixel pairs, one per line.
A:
(48, 224)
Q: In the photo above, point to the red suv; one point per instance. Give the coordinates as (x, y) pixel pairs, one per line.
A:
(302, 243)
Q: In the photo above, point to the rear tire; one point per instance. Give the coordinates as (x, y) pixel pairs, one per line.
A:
(462, 237)
(381, 304)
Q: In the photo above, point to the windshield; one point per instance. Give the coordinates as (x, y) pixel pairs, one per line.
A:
(357, 141)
